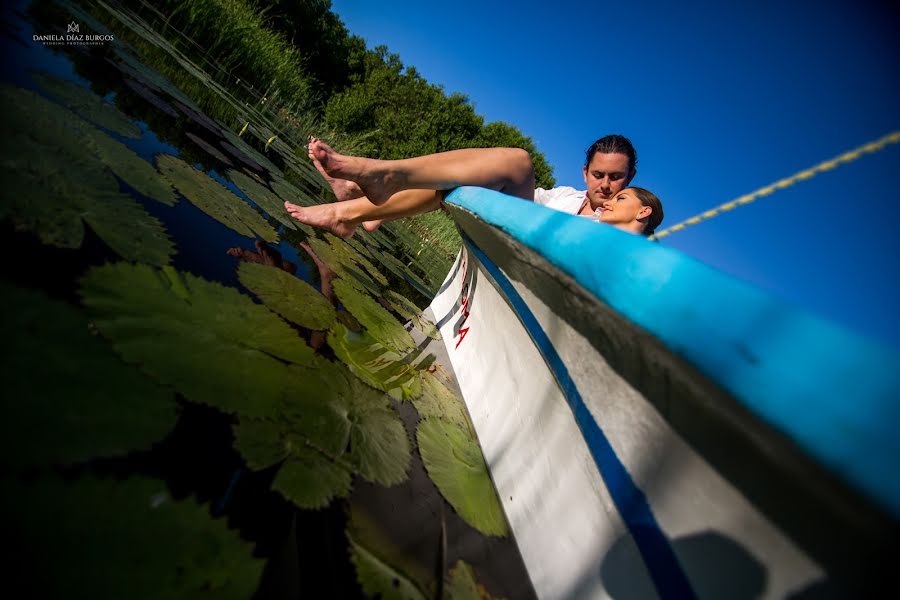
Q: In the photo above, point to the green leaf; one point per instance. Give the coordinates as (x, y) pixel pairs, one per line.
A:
(67, 397)
(130, 168)
(311, 480)
(214, 199)
(409, 311)
(52, 193)
(258, 442)
(461, 584)
(379, 446)
(289, 296)
(87, 104)
(378, 366)
(348, 255)
(317, 408)
(53, 186)
(378, 579)
(330, 427)
(379, 323)
(436, 400)
(106, 538)
(288, 191)
(344, 266)
(266, 200)
(213, 344)
(455, 464)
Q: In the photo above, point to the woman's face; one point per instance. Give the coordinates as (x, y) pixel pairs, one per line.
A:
(624, 209)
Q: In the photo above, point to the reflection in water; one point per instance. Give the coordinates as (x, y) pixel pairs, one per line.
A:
(264, 255)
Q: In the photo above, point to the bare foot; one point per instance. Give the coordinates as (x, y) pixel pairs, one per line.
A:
(371, 226)
(376, 182)
(326, 216)
(343, 189)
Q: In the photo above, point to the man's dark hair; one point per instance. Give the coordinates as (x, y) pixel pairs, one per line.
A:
(613, 144)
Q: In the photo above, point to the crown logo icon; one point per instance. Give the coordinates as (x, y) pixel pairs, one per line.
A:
(72, 27)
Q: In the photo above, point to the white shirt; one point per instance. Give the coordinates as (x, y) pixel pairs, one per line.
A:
(565, 199)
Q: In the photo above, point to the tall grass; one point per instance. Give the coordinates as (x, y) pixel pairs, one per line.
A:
(235, 35)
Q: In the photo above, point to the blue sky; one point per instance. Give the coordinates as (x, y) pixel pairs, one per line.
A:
(719, 100)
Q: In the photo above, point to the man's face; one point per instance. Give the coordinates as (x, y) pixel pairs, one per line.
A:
(605, 176)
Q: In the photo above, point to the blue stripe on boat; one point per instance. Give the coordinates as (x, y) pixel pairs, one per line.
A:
(663, 566)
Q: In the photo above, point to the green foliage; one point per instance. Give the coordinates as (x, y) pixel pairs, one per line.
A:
(103, 538)
(369, 360)
(436, 400)
(266, 199)
(67, 397)
(461, 584)
(237, 35)
(379, 579)
(213, 344)
(129, 167)
(404, 114)
(214, 199)
(54, 187)
(330, 427)
(379, 323)
(289, 296)
(454, 462)
(409, 311)
(87, 104)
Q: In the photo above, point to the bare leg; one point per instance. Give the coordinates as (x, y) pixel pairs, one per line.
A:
(343, 189)
(507, 170)
(342, 218)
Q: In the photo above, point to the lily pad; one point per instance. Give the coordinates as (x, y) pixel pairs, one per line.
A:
(344, 266)
(214, 199)
(378, 579)
(87, 104)
(212, 343)
(347, 255)
(369, 360)
(129, 167)
(103, 538)
(288, 191)
(330, 427)
(380, 324)
(311, 480)
(67, 397)
(436, 400)
(53, 193)
(409, 311)
(462, 585)
(455, 464)
(265, 199)
(289, 296)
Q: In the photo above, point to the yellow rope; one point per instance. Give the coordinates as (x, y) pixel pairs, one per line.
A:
(846, 157)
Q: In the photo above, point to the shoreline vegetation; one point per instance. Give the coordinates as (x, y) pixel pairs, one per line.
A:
(297, 63)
